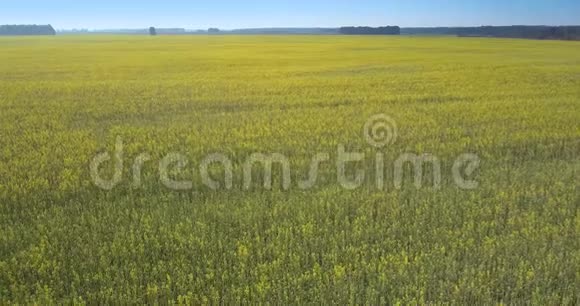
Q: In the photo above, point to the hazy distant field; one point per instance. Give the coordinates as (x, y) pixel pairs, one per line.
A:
(514, 238)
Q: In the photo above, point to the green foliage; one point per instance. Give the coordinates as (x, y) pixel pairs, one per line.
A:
(16, 30)
(514, 240)
(388, 30)
(529, 32)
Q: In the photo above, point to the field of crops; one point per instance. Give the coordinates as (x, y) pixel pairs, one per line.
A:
(67, 101)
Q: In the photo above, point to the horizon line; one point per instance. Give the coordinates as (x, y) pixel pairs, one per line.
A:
(311, 27)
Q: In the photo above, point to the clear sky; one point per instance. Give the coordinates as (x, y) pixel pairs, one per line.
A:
(231, 14)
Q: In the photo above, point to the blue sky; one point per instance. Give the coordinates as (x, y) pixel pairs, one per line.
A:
(92, 14)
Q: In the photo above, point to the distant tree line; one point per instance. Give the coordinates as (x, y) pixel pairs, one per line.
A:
(389, 30)
(530, 32)
(285, 31)
(27, 30)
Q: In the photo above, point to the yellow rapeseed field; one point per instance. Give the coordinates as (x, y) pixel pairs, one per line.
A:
(67, 101)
